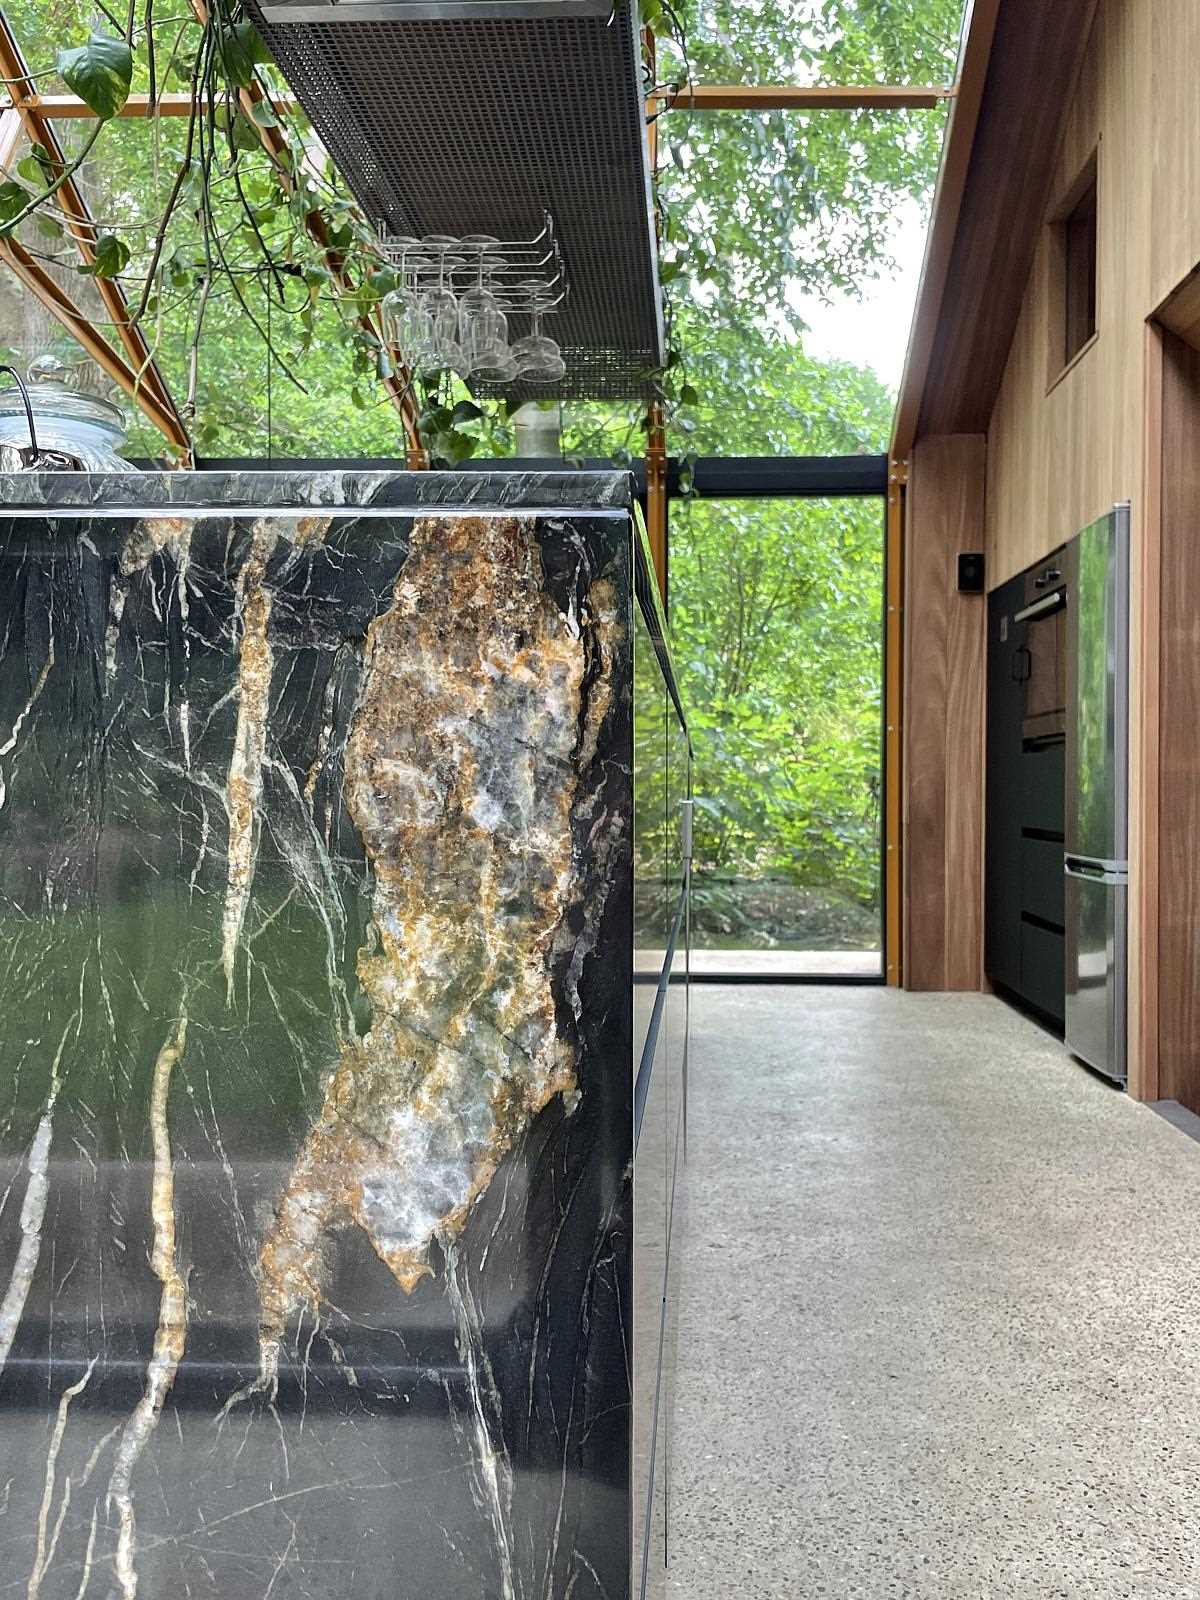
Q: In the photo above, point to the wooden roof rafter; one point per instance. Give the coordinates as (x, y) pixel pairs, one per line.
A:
(139, 377)
(804, 97)
(688, 97)
(59, 304)
(1020, 62)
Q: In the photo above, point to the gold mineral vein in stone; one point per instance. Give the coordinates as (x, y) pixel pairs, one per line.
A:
(255, 661)
(244, 784)
(171, 1332)
(461, 772)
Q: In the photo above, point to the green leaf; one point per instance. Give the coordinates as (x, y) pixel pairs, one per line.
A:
(689, 395)
(112, 256)
(99, 72)
(244, 134)
(457, 446)
(47, 226)
(38, 166)
(13, 200)
(239, 51)
(264, 114)
(381, 281)
(316, 278)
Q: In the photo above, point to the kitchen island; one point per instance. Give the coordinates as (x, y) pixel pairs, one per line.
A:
(317, 1120)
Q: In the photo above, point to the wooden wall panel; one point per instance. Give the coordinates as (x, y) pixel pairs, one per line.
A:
(1061, 454)
(1178, 822)
(944, 742)
(1034, 43)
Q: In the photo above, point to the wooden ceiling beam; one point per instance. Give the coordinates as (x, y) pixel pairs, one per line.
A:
(158, 403)
(1022, 62)
(691, 97)
(979, 30)
(803, 97)
(173, 103)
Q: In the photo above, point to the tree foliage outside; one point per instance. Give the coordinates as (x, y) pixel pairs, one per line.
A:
(776, 607)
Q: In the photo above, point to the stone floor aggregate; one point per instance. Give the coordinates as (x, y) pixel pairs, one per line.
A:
(939, 1315)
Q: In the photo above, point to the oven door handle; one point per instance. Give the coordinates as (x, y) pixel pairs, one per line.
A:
(1045, 607)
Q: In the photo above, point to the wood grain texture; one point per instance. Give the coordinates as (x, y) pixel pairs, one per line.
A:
(1059, 458)
(893, 756)
(1181, 313)
(1144, 746)
(978, 36)
(1035, 59)
(1179, 735)
(944, 734)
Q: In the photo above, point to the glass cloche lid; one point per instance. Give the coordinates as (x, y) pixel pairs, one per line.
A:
(85, 428)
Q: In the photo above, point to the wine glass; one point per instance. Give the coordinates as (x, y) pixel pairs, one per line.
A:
(538, 358)
(408, 328)
(441, 307)
(482, 321)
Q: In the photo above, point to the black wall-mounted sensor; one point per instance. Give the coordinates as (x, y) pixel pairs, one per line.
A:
(970, 573)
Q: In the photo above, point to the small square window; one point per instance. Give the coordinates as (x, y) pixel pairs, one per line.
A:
(1079, 246)
(1073, 321)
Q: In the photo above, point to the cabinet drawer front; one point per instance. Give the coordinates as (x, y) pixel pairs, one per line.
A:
(1043, 789)
(1043, 891)
(1043, 970)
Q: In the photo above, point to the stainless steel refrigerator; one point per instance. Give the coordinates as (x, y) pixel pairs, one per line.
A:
(1097, 819)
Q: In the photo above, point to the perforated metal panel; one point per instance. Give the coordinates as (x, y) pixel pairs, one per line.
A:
(460, 127)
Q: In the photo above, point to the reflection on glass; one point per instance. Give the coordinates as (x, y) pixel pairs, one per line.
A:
(777, 630)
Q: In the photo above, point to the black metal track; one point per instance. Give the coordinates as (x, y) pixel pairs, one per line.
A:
(482, 126)
(780, 477)
(714, 477)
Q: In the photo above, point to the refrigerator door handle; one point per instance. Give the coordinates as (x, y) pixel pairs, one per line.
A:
(1113, 872)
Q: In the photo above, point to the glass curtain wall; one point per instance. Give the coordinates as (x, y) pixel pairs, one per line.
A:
(777, 632)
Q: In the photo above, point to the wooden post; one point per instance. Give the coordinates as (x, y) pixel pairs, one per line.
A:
(657, 517)
(893, 733)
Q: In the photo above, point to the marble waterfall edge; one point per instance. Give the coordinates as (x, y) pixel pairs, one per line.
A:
(315, 1122)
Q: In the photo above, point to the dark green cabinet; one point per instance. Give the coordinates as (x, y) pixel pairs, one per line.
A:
(1025, 895)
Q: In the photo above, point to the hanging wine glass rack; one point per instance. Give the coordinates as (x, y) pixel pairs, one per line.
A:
(526, 275)
(475, 119)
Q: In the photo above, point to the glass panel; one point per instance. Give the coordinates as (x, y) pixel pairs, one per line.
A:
(274, 380)
(652, 915)
(818, 41)
(788, 233)
(777, 631)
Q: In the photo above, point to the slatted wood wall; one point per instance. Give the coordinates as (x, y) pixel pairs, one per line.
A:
(944, 734)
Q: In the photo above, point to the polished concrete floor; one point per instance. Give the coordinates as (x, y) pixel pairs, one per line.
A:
(940, 1312)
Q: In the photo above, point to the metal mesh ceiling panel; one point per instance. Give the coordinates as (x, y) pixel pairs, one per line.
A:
(459, 127)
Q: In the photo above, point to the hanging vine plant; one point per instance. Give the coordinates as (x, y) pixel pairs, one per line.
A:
(246, 212)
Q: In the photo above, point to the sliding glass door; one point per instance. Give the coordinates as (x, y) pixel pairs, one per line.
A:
(777, 632)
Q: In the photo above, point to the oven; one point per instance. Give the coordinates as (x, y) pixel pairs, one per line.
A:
(1040, 661)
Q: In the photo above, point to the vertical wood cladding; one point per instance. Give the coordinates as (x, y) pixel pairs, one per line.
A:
(1179, 730)
(944, 740)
